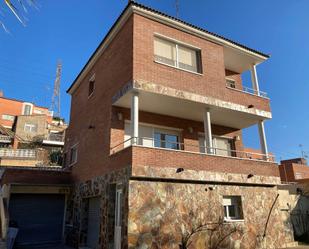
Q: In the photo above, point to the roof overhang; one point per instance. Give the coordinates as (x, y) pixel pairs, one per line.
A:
(232, 51)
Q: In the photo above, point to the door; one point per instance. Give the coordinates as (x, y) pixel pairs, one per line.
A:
(118, 217)
(93, 231)
(39, 218)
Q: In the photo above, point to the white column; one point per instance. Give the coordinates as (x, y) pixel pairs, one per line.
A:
(254, 79)
(263, 141)
(134, 117)
(207, 131)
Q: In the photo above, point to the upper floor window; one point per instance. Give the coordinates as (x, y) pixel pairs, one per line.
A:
(30, 127)
(230, 83)
(91, 85)
(8, 117)
(73, 155)
(27, 109)
(232, 208)
(221, 145)
(177, 55)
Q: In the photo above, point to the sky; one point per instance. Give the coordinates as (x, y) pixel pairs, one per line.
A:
(71, 30)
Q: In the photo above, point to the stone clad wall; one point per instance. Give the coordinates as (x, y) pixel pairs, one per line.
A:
(97, 187)
(161, 213)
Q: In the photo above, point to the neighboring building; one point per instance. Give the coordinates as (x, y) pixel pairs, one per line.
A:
(155, 147)
(293, 170)
(29, 135)
(11, 108)
(155, 133)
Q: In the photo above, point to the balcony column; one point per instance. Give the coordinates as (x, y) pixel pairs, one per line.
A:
(207, 131)
(255, 81)
(263, 141)
(134, 117)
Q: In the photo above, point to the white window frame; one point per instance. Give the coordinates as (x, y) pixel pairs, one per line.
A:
(74, 161)
(177, 43)
(238, 209)
(31, 127)
(229, 79)
(8, 117)
(24, 107)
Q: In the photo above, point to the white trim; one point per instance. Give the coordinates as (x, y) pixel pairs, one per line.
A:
(165, 20)
(24, 106)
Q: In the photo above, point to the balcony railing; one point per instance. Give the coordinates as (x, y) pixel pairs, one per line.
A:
(18, 153)
(249, 90)
(171, 145)
(55, 137)
(5, 139)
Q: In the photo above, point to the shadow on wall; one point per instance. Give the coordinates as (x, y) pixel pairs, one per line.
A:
(300, 218)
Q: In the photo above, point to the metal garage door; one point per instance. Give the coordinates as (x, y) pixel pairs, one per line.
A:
(39, 218)
(93, 222)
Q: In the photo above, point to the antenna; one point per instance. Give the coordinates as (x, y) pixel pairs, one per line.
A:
(55, 105)
(303, 153)
(177, 8)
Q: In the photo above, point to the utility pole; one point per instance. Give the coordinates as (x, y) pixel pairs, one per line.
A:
(55, 105)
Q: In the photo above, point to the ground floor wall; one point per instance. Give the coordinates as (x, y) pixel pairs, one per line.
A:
(103, 188)
(165, 214)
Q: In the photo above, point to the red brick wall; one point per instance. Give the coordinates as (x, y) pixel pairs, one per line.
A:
(289, 170)
(112, 70)
(210, 83)
(153, 157)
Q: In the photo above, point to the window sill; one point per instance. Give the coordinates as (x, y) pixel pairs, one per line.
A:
(233, 221)
(188, 71)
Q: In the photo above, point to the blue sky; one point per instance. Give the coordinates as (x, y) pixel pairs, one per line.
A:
(70, 30)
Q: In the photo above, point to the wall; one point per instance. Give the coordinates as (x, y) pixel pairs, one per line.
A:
(78, 212)
(39, 120)
(90, 119)
(211, 83)
(15, 107)
(161, 213)
(292, 172)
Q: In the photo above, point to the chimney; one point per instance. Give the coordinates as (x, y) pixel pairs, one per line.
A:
(1, 93)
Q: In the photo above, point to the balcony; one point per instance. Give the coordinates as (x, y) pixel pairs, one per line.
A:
(147, 161)
(5, 139)
(54, 139)
(18, 153)
(248, 90)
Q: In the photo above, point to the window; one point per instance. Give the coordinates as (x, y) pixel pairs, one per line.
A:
(177, 55)
(230, 83)
(73, 155)
(37, 111)
(91, 86)
(27, 109)
(232, 208)
(30, 127)
(8, 117)
(164, 140)
(221, 145)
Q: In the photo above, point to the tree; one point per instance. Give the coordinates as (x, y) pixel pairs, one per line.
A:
(18, 8)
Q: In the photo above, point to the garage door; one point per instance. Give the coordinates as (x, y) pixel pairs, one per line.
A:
(39, 218)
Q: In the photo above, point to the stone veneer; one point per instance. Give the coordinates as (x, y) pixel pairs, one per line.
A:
(160, 213)
(97, 187)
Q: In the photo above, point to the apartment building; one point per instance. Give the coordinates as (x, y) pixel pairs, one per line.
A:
(11, 108)
(155, 133)
(293, 170)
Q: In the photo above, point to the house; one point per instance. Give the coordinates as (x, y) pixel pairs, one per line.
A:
(29, 134)
(293, 170)
(154, 153)
(155, 140)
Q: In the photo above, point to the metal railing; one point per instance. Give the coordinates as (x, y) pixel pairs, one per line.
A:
(178, 146)
(55, 137)
(18, 153)
(249, 90)
(5, 139)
